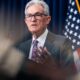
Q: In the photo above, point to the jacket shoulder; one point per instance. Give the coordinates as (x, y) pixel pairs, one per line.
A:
(58, 40)
(24, 46)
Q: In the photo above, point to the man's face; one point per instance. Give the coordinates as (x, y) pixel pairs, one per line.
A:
(36, 20)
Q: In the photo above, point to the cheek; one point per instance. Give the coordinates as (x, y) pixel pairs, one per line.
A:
(41, 26)
(28, 25)
(41, 23)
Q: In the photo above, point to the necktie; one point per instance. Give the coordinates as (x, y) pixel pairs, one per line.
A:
(34, 50)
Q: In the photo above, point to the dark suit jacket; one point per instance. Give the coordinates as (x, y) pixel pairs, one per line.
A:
(60, 49)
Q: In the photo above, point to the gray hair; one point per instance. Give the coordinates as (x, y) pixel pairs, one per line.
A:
(40, 2)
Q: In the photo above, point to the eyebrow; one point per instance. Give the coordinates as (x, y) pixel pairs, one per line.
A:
(37, 13)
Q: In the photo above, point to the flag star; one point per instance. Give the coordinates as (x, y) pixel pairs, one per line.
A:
(71, 10)
(71, 32)
(67, 30)
(69, 1)
(75, 12)
(70, 38)
(66, 27)
(66, 20)
(72, 25)
(73, 47)
(77, 27)
(65, 33)
(68, 7)
(70, 16)
(75, 34)
(68, 23)
(74, 18)
(78, 20)
(67, 36)
(73, 3)
(74, 40)
(78, 43)
(79, 36)
(67, 13)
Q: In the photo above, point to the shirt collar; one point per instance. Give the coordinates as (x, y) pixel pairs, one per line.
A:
(43, 36)
(41, 39)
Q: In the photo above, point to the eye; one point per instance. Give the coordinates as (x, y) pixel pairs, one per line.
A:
(29, 15)
(40, 14)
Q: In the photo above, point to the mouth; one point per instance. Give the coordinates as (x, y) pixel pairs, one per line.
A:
(34, 25)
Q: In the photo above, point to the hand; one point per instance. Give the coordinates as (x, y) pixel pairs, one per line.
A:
(46, 66)
(5, 45)
(42, 55)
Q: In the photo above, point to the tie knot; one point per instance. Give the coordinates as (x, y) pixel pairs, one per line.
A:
(35, 42)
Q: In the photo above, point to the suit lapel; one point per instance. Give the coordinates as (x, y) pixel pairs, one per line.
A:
(27, 46)
(49, 44)
(49, 40)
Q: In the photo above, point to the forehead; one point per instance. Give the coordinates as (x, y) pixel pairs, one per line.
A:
(35, 8)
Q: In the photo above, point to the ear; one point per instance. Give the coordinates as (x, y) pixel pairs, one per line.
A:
(25, 20)
(48, 19)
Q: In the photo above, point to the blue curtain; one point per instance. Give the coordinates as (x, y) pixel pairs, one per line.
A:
(12, 16)
(58, 9)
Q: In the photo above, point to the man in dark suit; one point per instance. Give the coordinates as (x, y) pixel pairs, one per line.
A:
(53, 57)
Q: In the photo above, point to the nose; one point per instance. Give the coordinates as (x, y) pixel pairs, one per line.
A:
(33, 18)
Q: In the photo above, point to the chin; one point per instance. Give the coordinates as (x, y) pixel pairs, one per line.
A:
(33, 31)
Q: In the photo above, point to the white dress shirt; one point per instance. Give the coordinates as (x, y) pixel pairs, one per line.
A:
(41, 40)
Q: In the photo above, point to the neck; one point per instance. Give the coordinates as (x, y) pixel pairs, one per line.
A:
(36, 35)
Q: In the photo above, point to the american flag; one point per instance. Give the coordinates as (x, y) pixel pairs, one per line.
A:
(72, 26)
